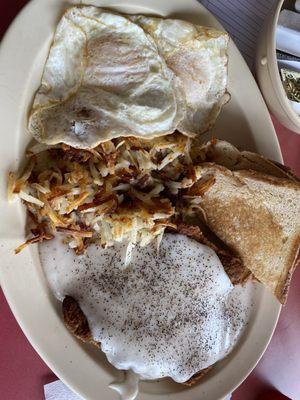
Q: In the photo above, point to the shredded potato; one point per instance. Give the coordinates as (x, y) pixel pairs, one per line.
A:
(122, 190)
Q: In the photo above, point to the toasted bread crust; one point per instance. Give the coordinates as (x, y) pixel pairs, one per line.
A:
(226, 154)
(292, 262)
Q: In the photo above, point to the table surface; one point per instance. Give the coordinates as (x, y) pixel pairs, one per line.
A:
(23, 373)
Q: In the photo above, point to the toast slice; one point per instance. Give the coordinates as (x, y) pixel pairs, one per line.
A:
(282, 198)
(227, 155)
(257, 216)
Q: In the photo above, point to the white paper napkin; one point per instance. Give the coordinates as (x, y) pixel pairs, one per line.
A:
(59, 391)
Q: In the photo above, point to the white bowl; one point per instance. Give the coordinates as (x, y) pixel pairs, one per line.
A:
(268, 73)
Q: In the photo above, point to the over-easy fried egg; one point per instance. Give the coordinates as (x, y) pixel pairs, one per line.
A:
(103, 78)
(197, 56)
(167, 314)
(110, 75)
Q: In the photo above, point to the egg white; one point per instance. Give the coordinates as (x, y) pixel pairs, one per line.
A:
(197, 56)
(109, 75)
(103, 78)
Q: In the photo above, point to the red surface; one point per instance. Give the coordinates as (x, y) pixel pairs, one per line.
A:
(23, 373)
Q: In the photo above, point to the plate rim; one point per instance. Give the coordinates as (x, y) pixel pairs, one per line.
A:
(10, 297)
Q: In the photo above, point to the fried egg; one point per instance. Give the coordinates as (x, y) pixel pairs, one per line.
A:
(103, 78)
(109, 75)
(166, 315)
(197, 56)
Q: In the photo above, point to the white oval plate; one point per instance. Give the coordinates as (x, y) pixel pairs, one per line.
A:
(244, 121)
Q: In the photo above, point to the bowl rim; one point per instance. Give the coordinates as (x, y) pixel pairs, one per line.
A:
(273, 66)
